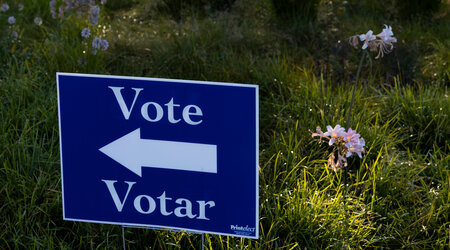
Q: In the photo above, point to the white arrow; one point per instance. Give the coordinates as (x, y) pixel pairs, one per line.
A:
(134, 153)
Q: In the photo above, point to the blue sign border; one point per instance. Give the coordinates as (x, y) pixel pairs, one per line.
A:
(255, 87)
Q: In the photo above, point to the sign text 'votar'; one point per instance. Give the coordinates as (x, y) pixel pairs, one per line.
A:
(161, 153)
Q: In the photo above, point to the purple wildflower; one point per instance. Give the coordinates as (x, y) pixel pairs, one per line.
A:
(104, 44)
(14, 35)
(86, 33)
(95, 14)
(61, 11)
(96, 43)
(53, 8)
(11, 20)
(5, 7)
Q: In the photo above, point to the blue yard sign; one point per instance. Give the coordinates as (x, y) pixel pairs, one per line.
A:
(162, 153)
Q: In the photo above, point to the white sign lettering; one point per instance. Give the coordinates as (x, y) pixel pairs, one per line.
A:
(188, 112)
(184, 210)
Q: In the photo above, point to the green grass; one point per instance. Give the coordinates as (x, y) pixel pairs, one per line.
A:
(396, 196)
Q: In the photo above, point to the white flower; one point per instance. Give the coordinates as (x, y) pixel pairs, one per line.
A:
(11, 20)
(37, 20)
(367, 38)
(5, 7)
(383, 42)
(387, 35)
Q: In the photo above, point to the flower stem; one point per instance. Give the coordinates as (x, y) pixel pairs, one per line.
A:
(349, 115)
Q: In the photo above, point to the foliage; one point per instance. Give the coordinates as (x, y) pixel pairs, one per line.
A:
(116, 5)
(179, 9)
(292, 10)
(412, 8)
(396, 196)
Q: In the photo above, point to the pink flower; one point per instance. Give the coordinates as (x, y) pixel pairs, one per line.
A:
(345, 144)
(339, 164)
(367, 38)
(355, 148)
(351, 136)
(334, 133)
(319, 133)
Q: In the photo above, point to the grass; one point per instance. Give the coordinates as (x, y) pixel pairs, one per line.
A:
(396, 196)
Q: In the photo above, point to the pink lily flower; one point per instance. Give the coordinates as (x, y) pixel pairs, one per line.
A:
(351, 136)
(355, 148)
(334, 133)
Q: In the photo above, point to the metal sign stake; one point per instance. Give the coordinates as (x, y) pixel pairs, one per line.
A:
(155, 228)
(123, 237)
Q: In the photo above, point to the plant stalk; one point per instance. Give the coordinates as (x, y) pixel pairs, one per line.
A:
(349, 115)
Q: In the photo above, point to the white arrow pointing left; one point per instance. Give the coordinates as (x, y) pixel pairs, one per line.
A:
(134, 153)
